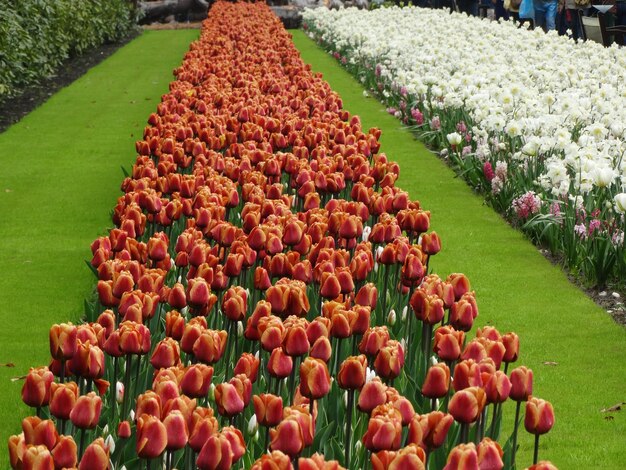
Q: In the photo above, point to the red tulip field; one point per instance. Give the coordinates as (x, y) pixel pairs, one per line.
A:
(269, 297)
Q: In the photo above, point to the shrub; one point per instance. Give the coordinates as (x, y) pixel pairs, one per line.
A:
(36, 36)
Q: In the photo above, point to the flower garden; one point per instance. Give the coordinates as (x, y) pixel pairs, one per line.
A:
(542, 136)
(267, 297)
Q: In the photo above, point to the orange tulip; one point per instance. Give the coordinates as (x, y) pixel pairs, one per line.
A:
(37, 458)
(273, 461)
(228, 400)
(95, 457)
(437, 381)
(86, 411)
(287, 437)
(196, 380)
(62, 399)
(65, 453)
(463, 457)
(521, 383)
(177, 431)
(314, 378)
(317, 462)
(63, 341)
(372, 394)
(411, 456)
(268, 409)
(384, 429)
(490, 454)
(351, 375)
(466, 405)
(210, 346)
(17, 449)
(166, 354)
(389, 360)
(151, 437)
(39, 432)
(202, 426)
(539, 417)
(37, 386)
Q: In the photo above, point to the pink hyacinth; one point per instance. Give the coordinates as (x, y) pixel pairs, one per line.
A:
(417, 115)
(526, 205)
(488, 171)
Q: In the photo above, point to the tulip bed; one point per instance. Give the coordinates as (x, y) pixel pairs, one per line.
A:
(263, 285)
(541, 136)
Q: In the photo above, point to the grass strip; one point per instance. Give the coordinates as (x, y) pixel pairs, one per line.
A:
(60, 180)
(517, 290)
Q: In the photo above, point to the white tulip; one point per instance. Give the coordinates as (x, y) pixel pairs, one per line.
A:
(620, 202)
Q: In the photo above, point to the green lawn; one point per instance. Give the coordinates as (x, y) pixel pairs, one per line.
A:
(59, 181)
(517, 290)
(61, 177)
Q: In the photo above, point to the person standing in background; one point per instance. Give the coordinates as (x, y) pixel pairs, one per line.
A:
(545, 13)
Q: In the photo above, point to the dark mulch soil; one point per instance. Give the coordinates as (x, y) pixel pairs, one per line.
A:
(14, 109)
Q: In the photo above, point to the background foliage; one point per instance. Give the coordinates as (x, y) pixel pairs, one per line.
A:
(36, 36)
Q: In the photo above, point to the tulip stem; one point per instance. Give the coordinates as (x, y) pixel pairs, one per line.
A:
(384, 293)
(536, 452)
(267, 438)
(464, 432)
(148, 464)
(517, 409)
(433, 404)
(129, 360)
(492, 429)
(82, 444)
(62, 373)
(349, 427)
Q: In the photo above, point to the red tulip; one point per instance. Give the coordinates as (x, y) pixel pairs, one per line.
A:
(460, 284)
(123, 430)
(427, 308)
(384, 429)
(65, 453)
(410, 457)
(389, 360)
(367, 295)
(196, 380)
(63, 341)
(431, 243)
(351, 375)
(148, 403)
(202, 426)
(166, 354)
(372, 394)
(37, 458)
(235, 303)
(287, 437)
(37, 386)
(521, 383)
(466, 405)
(95, 457)
(86, 411)
(437, 381)
(17, 449)
(296, 341)
(497, 387)
(151, 437)
(134, 338)
(463, 457)
(314, 378)
(39, 432)
(210, 346)
(543, 465)
(467, 374)
(273, 461)
(176, 428)
(539, 417)
(228, 400)
(279, 364)
(489, 455)
(511, 347)
(88, 362)
(268, 409)
(317, 462)
(373, 340)
(430, 430)
(62, 399)
(174, 325)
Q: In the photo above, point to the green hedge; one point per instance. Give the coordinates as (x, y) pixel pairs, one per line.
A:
(37, 35)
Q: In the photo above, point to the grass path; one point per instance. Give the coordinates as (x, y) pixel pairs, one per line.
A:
(517, 290)
(59, 181)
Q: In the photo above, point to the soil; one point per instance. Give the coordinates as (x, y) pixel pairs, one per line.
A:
(14, 109)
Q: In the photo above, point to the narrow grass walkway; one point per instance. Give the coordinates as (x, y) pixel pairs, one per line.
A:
(59, 181)
(517, 290)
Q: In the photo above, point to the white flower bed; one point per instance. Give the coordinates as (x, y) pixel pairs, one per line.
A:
(541, 87)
